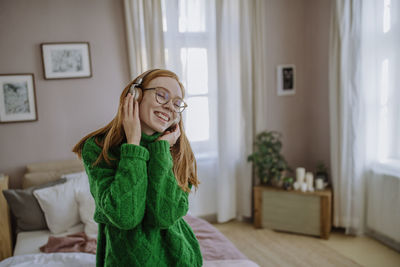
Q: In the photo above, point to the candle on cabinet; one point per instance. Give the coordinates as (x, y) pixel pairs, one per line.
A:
(310, 181)
(300, 172)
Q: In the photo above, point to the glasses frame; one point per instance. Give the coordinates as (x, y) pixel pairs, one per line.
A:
(171, 99)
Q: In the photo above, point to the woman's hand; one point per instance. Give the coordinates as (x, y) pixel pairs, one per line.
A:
(131, 121)
(171, 135)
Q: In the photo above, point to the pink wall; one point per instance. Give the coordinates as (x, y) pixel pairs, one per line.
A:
(317, 26)
(67, 109)
(298, 33)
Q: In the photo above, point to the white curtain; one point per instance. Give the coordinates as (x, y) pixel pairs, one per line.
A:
(231, 122)
(241, 67)
(347, 157)
(144, 34)
(364, 99)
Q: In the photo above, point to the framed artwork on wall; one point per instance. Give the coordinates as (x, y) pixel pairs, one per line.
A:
(17, 98)
(286, 79)
(66, 60)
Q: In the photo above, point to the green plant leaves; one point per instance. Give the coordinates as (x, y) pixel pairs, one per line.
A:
(269, 163)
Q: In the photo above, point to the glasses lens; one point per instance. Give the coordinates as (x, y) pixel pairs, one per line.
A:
(162, 96)
(179, 105)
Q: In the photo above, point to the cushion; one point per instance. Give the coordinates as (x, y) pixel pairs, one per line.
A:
(25, 207)
(85, 201)
(86, 212)
(77, 175)
(59, 206)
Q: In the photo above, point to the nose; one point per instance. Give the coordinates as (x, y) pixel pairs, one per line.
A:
(170, 106)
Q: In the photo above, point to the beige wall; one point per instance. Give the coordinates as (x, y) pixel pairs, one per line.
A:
(67, 109)
(317, 66)
(297, 32)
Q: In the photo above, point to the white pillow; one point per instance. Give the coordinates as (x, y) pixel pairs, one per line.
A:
(75, 175)
(86, 212)
(59, 206)
(85, 201)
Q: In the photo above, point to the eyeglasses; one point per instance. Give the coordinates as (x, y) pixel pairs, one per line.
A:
(163, 97)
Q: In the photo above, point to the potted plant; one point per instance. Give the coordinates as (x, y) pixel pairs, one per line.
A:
(321, 171)
(270, 165)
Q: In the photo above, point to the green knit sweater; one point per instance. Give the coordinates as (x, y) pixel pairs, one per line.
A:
(139, 207)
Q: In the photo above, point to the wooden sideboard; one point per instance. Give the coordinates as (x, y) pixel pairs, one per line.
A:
(293, 211)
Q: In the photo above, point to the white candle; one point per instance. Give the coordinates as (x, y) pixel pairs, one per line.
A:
(310, 181)
(296, 186)
(319, 184)
(300, 172)
(303, 187)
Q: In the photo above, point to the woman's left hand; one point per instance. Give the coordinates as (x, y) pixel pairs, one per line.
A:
(171, 135)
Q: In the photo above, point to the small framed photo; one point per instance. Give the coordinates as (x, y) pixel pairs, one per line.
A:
(66, 60)
(17, 98)
(286, 80)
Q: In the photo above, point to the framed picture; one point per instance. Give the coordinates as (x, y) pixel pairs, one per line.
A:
(66, 60)
(286, 79)
(17, 98)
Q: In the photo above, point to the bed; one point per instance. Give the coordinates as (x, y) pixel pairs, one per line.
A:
(48, 182)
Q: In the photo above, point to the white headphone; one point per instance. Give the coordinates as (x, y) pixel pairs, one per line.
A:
(136, 87)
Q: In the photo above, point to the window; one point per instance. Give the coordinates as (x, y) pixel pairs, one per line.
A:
(389, 97)
(189, 51)
(382, 56)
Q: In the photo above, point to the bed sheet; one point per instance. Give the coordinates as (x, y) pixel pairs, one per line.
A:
(217, 250)
(29, 242)
(78, 259)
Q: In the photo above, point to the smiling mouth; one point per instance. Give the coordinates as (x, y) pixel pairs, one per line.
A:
(162, 116)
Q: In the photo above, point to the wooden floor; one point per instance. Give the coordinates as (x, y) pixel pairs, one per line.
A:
(362, 250)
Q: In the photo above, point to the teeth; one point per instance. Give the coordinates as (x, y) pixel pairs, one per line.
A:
(162, 116)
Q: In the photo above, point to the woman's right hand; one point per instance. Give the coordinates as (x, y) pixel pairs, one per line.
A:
(131, 121)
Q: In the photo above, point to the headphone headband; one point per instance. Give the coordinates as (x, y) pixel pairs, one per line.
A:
(133, 88)
(144, 75)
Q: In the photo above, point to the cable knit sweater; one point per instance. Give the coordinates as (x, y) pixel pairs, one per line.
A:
(139, 207)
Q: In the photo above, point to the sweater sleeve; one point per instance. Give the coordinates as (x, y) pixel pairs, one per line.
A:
(166, 202)
(119, 192)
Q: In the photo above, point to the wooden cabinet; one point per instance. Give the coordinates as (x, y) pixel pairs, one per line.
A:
(293, 211)
(5, 225)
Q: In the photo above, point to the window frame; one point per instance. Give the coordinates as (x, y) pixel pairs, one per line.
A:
(175, 41)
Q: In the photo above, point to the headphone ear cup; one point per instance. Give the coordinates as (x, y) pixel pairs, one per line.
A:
(138, 94)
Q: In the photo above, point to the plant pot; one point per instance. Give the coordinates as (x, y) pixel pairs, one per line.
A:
(322, 175)
(276, 182)
(287, 185)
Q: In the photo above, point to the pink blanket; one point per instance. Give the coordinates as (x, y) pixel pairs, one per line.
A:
(213, 244)
(78, 242)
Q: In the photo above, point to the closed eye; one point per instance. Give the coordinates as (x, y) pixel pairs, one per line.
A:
(161, 95)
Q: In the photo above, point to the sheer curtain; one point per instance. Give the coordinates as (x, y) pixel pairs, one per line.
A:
(364, 104)
(234, 110)
(241, 87)
(144, 34)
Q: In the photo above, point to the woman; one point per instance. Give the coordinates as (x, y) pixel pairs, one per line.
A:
(141, 169)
